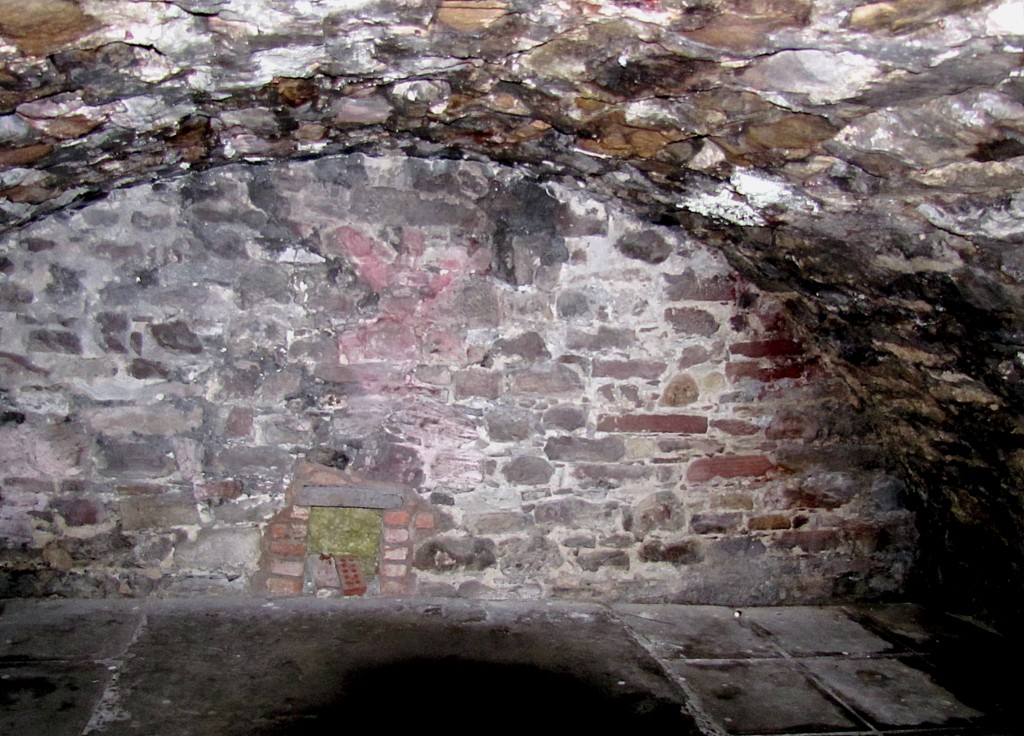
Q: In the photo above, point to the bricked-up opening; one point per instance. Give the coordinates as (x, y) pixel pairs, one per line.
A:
(342, 535)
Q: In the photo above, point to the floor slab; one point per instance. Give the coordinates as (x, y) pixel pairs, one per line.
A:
(205, 667)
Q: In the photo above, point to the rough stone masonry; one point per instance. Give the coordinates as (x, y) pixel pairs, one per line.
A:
(859, 164)
(588, 405)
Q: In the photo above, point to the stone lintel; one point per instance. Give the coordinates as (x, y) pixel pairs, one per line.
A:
(366, 496)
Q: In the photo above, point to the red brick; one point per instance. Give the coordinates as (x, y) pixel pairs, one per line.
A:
(396, 517)
(735, 427)
(396, 535)
(394, 570)
(729, 466)
(284, 586)
(289, 568)
(288, 549)
(349, 575)
(396, 553)
(649, 369)
(754, 370)
(287, 531)
(766, 348)
(425, 521)
(671, 423)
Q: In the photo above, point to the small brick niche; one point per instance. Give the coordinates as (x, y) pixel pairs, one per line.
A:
(291, 565)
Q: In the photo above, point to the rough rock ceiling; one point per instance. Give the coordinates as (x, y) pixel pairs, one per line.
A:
(868, 158)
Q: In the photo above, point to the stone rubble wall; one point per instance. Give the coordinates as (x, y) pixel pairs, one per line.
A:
(587, 405)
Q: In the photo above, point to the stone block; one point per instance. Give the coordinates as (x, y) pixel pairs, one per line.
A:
(529, 556)
(155, 419)
(528, 470)
(113, 328)
(478, 383)
(625, 369)
(547, 380)
(677, 552)
(218, 490)
(157, 511)
(606, 338)
(788, 425)
(445, 554)
(153, 459)
(234, 550)
(572, 303)
(529, 346)
(604, 472)
(508, 424)
(681, 390)
(594, 561)
(53, 341)
(567, 512)
(729, 466)
(48, 450)
(323, 571)
(581, 541)
(688, 286)
(583, 449)
(564, 416)
(805, 497)
(252, 460)
(647, 246)
(811, 541)
(176, 336)
(691, 321)
(693, 355)
(143, 369)
(769, 522)
(715, 523)
(662, 511)
(499, 522)
(660, 423)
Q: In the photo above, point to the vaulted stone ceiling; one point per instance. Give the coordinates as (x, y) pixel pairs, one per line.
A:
(867, 158)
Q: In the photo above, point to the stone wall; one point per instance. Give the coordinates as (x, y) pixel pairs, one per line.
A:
(585, 405)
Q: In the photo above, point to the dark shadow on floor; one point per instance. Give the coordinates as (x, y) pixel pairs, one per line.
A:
(458, 694)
